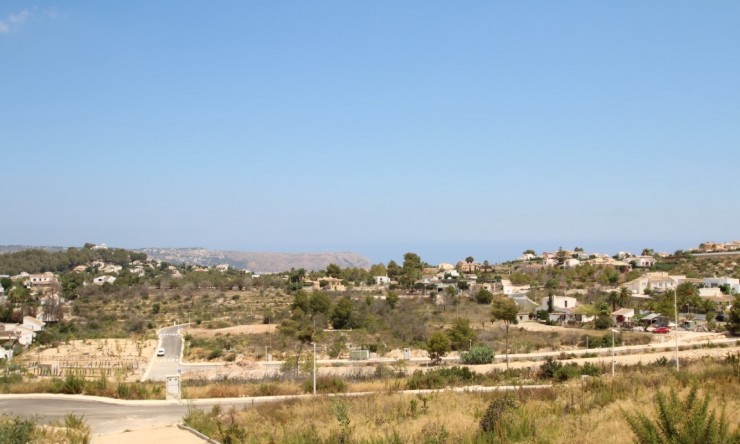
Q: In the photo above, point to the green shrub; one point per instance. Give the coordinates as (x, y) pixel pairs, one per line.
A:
(549, 368)
(340, 412)
(268, 389)
(123, 391)
(482, 354)
(602, 323)
(504, 421)
(325, 384)
(589, 369)
(567, 372)
(16, 430)
(73, 385)
(76, 430)
(436, 379)
(495, 413)
(483, 296)
(688, 420)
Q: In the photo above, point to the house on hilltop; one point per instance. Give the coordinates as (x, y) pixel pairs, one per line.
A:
(40, 280)
(33, 324)
(623, 315)
(642, 261)
(526, 306)
(100, 280)
(713, 282)
(559, 302)
(382, 280)
(658, 282)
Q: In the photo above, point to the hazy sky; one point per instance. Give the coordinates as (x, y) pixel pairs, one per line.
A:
(444, 128)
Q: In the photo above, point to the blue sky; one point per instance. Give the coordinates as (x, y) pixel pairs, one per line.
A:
(444, 128)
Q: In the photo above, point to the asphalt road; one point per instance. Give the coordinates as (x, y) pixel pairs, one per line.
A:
(102, 417)
(171, 363)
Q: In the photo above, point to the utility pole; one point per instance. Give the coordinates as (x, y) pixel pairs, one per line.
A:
(314, 368)
(675, 309)
(613, 331)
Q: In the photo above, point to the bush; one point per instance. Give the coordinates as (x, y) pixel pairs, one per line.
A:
(483, 296)
(325, 384)
(477, 355)
(553, 369)
(567, 372)
(549, 368)
(436, 379)
(687, 420)
(73, 385)
(131, 391)
(502, 423)
(589, 369)
(604, 341)
(123, 391)
(16, 430)
(602, 323)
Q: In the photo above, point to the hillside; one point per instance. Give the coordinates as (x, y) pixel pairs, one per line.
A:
(257, 262)
(16, 248)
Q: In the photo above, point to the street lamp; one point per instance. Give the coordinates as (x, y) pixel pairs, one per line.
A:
(613, 331)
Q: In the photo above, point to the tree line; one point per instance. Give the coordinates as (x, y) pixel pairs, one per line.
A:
(40, 261)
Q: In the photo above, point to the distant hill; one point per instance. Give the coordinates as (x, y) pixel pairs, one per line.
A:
(257, 262)
(14, 248)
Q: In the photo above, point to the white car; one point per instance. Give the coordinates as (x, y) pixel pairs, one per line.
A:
(160, 352)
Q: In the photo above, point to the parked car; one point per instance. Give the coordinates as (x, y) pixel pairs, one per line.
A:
(661, 330)
(160, 352)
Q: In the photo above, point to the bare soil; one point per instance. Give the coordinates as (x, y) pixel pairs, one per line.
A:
(238, 329)
(169, 434)
(127, 357)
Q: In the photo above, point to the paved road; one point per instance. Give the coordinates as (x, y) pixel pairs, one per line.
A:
(171, 363)
(103, 417)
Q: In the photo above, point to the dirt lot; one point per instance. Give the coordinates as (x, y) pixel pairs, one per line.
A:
(170, 434)
(251, 369)
(126, 357)
(238, 329)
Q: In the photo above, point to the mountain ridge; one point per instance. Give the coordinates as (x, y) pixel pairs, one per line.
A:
(259, 262)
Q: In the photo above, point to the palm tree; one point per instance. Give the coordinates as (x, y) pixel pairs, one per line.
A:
(613, 298)
(625, 297)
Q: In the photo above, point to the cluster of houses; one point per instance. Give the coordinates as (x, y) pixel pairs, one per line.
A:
(660, 282)
(564, 309)
(23, 334)
(571, 259)
(718, 247)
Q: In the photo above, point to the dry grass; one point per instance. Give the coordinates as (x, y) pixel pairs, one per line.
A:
(583, 411)
(238, 389)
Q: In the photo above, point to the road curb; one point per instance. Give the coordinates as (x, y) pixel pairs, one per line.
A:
(197, 433)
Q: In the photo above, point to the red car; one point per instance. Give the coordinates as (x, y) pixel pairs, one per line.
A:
(661, 330)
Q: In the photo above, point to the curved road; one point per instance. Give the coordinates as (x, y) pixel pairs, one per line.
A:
(105, 415)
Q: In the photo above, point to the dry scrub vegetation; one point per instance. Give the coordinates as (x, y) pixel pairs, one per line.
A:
(582, 411)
